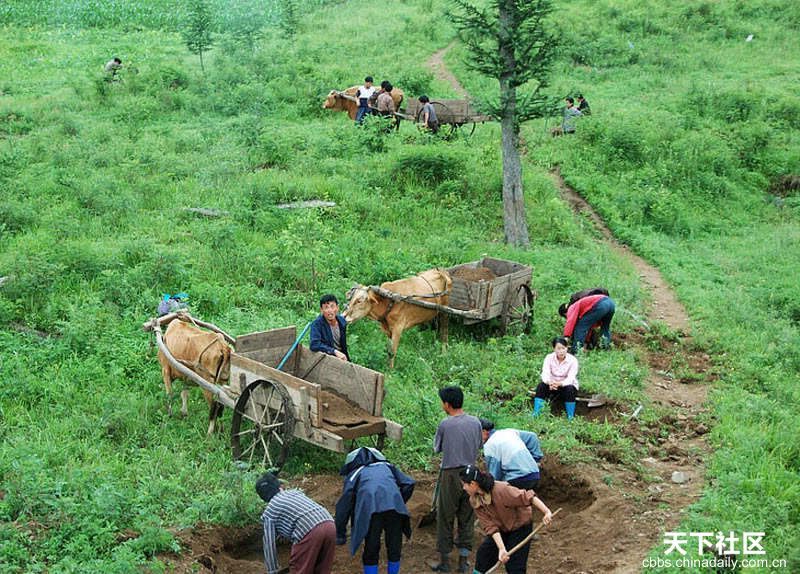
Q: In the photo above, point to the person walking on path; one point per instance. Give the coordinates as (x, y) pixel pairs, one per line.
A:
(374, 500)
(290, 514)
(458, 438)
(512, 455)
(559, 377)
(583, 315)
(329, 329)
(506, 515)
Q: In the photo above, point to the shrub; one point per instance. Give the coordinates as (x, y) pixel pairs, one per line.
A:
(428, 165)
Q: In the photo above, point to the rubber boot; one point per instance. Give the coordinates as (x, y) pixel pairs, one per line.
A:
(538, 404)
(463, 565)
(443, 565)
(393, 568)
(372, 569)
(570, 408)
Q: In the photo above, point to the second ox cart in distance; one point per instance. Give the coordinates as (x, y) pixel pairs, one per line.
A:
(451, 114)
(315, 397)
(483, 290)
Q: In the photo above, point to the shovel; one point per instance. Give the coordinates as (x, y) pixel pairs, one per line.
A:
(521, 544)
(430, 517)
(596, 400)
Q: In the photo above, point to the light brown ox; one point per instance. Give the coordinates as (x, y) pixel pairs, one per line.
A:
(395, 317)
(207, 354)
(346, 101)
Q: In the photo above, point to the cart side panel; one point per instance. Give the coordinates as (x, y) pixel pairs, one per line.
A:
(468, 295)
(506, 287)
(304, 394)
(360, 385)
(268, 347)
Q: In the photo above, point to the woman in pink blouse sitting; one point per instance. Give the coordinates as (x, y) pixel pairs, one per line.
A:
(559, 377)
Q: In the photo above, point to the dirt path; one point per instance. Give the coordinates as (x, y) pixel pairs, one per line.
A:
(440, 71)
(677, 385)
(614, 511)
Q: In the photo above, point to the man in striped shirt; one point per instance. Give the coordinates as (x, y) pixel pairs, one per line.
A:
(291, 515)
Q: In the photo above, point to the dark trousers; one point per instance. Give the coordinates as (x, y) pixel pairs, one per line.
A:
(602, 312)
(453, 505)
(523, 484)
(390, 522)
(567, 393)
(487, 554)
(314, 553)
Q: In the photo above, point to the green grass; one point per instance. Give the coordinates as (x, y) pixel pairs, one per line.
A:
(94, 178)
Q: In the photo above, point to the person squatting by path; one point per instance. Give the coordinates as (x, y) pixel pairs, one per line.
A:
(505, 515)
(559, 377)
(512, 455)
(373, 501)
(458, 438)
(329, 329)
(290, 514)
(583, 315)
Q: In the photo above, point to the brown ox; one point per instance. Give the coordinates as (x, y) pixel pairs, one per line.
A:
(395, 317)
(207, 354)
(346, 101)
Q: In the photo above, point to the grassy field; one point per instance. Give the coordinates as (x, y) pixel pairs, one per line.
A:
(691, 126)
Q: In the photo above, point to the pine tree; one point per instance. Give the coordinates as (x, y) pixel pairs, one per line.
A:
(197, 33)
(509, 40)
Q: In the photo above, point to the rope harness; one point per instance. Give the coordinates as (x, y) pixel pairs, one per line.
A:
(198, 366)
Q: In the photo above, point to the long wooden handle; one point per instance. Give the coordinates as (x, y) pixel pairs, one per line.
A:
(521, 544)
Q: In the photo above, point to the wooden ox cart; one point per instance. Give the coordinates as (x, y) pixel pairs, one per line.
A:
(483, 290)
(315, 397)
(452, 115)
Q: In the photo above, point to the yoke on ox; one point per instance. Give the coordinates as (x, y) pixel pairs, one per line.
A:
(388, 304)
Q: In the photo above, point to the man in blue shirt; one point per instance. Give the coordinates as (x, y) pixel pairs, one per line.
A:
(328, 331)
(512, 455)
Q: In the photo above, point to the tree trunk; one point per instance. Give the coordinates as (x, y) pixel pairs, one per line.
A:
(514, 222)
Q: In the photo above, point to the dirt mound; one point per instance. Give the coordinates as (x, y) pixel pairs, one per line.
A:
(588, 506)
(473, 273)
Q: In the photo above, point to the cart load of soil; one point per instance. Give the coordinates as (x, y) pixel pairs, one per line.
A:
(473, 273)
(338, 411)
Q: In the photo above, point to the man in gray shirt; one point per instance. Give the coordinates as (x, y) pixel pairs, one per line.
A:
(571, 115)
(459, 439)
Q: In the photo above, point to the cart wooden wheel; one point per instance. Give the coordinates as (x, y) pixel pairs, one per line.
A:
(519, 312)
(446, 128)
(263, 425)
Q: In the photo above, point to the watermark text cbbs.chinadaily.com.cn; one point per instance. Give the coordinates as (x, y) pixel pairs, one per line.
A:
(713, 550)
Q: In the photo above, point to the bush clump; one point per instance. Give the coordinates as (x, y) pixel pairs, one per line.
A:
(430, 166)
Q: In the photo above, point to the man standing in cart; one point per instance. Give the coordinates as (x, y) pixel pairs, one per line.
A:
(328, 331)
